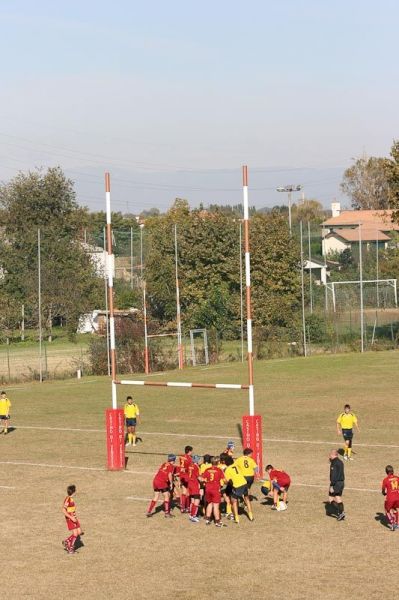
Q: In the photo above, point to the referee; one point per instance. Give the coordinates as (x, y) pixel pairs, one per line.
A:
(337, 484)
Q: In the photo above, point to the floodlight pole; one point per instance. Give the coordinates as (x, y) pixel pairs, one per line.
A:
(131, 257)
(310, 271)
(241, 299)
(248, 292)
(143, 283)
(377, 269)
(178, 315)
(303, 294)
(361, 290)
(39, 291)
(110, 273)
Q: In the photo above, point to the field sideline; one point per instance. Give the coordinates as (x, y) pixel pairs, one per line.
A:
(59, 439)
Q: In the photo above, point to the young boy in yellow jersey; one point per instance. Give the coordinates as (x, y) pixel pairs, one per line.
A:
(239, 488)
(247, 466)
(5, 406)
(345, 423)
(132, 417)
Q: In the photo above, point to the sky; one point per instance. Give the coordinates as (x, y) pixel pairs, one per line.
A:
(173, 97)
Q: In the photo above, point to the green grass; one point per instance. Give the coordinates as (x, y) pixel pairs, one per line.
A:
(297, 554)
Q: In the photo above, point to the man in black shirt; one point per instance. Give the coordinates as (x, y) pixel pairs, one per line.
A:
(337, 483)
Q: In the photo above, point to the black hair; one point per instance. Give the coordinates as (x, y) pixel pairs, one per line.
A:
(347, 406)
(389, 470)
(215, 461)
(129, 398)
(229, 460)
(207, 458)
(223, 457)
(71, 489)
(247, 451)
(3, 392)
(269, 467)
(188, 449)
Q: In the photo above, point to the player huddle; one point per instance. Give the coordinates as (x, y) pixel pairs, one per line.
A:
(213, 482)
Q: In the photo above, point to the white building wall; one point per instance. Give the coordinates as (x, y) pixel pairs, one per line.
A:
(334, 244)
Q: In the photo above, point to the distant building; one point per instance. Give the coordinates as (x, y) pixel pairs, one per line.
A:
(341, 231)
(318, 269)
(95, 322)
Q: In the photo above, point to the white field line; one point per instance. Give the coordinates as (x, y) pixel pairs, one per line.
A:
(104, 470)
(210, 437)
(71, 467)
(7, 487)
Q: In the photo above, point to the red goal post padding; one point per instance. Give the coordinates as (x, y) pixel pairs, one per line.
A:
(114, 418)
(252, 438)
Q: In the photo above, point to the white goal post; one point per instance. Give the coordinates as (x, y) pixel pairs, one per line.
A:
(391, 283)
(194, 359)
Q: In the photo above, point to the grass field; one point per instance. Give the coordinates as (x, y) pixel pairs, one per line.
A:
(299, 554)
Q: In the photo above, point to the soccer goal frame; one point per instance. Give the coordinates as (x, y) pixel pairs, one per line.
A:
(390, 282)
(193, 333)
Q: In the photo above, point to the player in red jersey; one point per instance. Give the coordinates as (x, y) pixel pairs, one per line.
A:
(280, 483)
(185, 461)
(194, 488)
(390, 489)
(213, 479)
(72, 522)
(162, 484)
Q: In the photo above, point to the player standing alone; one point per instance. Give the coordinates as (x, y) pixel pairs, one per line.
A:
(345, 423)
(132, 417)
(72, 522)
(5, 406)
(390, 489)
(337, 484)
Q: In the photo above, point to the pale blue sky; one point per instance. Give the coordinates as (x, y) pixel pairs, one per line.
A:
(172, 97)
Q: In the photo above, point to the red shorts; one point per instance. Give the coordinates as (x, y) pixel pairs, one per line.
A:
(193, 488)
(71, 525)
(391, 503)
(213, 496)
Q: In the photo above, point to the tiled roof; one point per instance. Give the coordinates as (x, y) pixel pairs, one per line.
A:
(381, 219)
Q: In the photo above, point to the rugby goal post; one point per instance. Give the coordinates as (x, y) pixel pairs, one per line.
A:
(252, 424)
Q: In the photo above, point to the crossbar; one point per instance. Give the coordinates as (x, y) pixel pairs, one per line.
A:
(183, 384)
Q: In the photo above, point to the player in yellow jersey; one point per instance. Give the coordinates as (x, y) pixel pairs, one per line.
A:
(247, 466)
(239, 489)
(5, 406)
(345, 423)
(132, 417)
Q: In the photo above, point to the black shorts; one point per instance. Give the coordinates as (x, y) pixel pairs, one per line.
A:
(338, 488)
(131, 422)
(227, 490)
(239, 492)
(250, 480)
(347, 434)
(162, 490)
(4, 417)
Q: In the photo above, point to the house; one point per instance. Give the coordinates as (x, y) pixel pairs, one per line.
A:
(318, 269)
(98, 257)
(344, 229)
(95, 322)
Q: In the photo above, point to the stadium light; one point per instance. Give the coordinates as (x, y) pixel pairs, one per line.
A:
(288, 189)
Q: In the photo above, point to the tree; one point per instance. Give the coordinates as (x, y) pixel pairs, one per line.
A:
(392, 169)
(366, 183)
(309, 210)
(46, 201)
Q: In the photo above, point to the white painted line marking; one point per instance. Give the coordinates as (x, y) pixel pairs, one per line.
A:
(138, 498)
(325, 486)
(7, 487)
(211, 437)
(72, 467)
